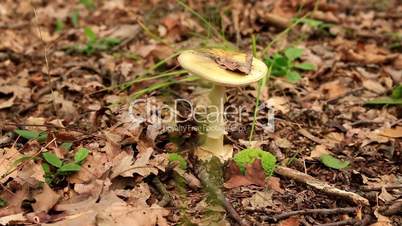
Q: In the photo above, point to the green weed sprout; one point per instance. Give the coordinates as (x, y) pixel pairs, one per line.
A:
(174, 157)
(283, 64)
(247, 156)
(55, 169)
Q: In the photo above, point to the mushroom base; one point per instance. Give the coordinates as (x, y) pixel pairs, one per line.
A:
(214, 147)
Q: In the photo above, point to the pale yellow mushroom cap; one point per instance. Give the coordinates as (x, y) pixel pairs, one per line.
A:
(200, 63)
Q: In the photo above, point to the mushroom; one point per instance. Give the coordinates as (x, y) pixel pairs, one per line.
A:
(224, 69)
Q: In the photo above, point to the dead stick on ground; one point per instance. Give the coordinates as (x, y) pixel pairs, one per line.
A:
(205, 180)
(379, 187)
(314, 211)
(320, 185)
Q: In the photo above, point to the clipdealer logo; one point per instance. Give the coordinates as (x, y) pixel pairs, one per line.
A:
(205, 116)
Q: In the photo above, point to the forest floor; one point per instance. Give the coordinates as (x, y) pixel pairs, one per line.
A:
(71, 153)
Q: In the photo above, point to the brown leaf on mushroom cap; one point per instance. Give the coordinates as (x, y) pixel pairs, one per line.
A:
(225, 60)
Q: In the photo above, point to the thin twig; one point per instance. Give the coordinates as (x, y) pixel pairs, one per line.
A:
(313, 211)
(320, 185)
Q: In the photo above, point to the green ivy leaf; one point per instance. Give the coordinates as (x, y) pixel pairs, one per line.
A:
(293, 53)
(333, 162)
(293, 76)
(81, 155)
(305, 66)
(52, 159)
(69, 167)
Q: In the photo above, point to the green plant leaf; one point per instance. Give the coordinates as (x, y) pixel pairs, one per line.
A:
(174, 157)
(333, 162)
(46, 168)
(384, 100)
(3, 203)
(69, 167)
(293, 53)
(74, 16)
(42, 137)
(27, 134)
(280, 61)
(52, 159)
(397, 92)
(66, 146)
(59, 25)
(81, 155)
(305, 66)
(311, 22)
(247, 156)
(90, 34)
(89, 4)
(22, 159)
(293, 76)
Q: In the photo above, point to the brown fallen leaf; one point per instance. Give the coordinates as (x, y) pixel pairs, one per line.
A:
(261, 199)
(392, 132)
(254, 175)
(45, 200)
(318, 151)
(275, 184)
(291, 221)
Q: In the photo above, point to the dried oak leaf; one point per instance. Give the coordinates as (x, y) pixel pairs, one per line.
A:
(45, 200)
(291, 221)
(254, 175)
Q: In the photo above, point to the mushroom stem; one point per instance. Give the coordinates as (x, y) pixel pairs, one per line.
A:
(213, 142)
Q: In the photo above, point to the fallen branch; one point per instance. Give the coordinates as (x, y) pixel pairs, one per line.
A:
(379, 187)
(320, 185)
(205, 178)
(313, 211)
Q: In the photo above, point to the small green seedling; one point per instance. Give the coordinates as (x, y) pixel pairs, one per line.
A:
(284, 64)
(3, 203)
(95, 44)
(332, 162)
(394, 99)
(89, 4)
(314, 24)
(56, 170)
(32, 135)
(248, 156)
(74, 17)
(59, 25)
(182, 163)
